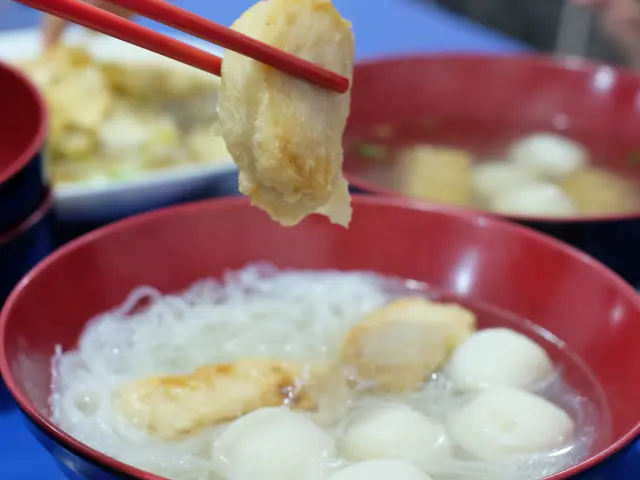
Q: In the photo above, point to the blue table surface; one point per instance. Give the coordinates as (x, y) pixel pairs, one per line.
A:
(382, 27)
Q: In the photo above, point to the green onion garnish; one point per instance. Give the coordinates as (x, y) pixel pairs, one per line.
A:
(634, 158)
(430, 123)
(373, 151)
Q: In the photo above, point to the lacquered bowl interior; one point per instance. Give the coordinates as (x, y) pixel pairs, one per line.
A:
(22, 122)
(482, 103)
(475, 258)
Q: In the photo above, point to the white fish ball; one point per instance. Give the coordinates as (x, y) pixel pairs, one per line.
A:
(498, 356)
(491, 179)
(273, 444)
(538, 198)
(547, 154)
(383, 469)
(393, 431)
(503, 421)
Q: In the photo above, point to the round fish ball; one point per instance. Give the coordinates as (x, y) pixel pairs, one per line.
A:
(383, 469)
(273, 444)
(503, 421)
(393, 431)
(498, 356)
(549, 155)
(538, 198)
(491, 179)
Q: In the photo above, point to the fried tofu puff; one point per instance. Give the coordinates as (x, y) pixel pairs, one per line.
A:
(437, 174)
(597, 192)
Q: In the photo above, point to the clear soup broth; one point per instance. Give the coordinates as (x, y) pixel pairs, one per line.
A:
(520, 170)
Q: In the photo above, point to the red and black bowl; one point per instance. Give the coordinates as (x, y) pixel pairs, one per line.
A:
(478, 259)
(482, 103)
(23, 133)
(22, 247)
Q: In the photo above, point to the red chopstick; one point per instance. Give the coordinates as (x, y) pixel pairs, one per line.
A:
(167, 14)
(117, 27)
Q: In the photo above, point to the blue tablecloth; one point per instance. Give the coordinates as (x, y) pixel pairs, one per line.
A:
(382, 27)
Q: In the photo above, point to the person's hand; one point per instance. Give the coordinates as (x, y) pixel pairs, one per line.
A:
(54, 27)
(621, 21)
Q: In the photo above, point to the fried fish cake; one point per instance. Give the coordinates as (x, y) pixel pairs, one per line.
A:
(597, 192)
(174, 406)
(437, 174)
(285, 134)
(400, 344)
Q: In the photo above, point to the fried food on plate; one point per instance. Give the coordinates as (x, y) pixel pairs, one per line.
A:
(167, 80)
(118, 120)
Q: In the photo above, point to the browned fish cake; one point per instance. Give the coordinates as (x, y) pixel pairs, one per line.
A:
(399, 345)
(285, 134)
(173, 406)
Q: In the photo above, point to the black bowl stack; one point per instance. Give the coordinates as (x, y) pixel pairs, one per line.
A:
(25, 198)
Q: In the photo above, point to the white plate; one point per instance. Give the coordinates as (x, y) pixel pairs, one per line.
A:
(91, 202)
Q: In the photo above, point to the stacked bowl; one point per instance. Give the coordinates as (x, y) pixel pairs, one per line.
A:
(25, 199)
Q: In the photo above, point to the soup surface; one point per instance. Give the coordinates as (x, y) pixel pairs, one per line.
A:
(325, 375)
(518, 173)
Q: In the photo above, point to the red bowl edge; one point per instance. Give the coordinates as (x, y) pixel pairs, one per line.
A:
(45, 206)
(97, 457)
(39, 140)
(565, 61)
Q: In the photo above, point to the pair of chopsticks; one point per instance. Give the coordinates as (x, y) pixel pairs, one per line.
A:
(163, 12)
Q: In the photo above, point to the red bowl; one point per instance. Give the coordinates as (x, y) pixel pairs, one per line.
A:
(475, 257)
(23, 129)
(483, 102)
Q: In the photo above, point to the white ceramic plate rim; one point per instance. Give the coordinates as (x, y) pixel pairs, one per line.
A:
(23, 44)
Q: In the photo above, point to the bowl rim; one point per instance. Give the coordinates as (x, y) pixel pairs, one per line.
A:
(561, 62)
(45, 206)
(175, 174)
(105, 461)
(37, 143)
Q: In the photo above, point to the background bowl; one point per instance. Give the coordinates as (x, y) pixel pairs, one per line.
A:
(470, 255)
(483, 102)
(25, 245)
(23, 128)
(20, 249)
(82, 206)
